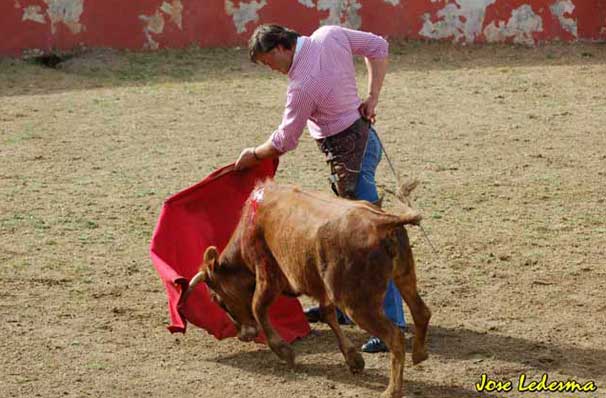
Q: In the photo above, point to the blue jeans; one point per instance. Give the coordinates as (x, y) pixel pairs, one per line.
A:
(367, 190)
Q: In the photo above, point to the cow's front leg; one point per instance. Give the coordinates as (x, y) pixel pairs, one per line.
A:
(352, 357)
(264, 296)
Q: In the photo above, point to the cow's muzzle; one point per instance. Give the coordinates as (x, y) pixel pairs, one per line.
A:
(248, 333)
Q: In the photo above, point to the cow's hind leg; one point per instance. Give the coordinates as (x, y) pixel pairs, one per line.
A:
(264, 296)
(352, 357)
(372, 319)
(406, 281)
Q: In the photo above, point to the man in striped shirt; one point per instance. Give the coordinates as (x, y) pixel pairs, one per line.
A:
(322, 94)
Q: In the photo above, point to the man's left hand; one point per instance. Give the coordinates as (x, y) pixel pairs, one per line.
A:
(367, 109)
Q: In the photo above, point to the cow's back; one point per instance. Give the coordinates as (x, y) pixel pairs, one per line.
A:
(318, 239)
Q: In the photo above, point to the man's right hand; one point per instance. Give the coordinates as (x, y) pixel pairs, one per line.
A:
(246, 159)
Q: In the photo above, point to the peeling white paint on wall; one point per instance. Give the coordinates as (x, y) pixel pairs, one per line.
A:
(561, 7)
(33, 13)
(155, 23)
(461, 20)
(392, 2)
(522, 24)
(340, 12)
(247, 12)
(67, 12)
(307, 3)
(174, 9)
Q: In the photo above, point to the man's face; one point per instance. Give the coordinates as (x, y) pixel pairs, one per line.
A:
(278, 59)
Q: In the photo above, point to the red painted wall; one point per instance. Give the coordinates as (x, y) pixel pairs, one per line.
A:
(28, 24)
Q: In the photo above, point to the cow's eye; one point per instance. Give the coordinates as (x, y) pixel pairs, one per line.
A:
(221, 304)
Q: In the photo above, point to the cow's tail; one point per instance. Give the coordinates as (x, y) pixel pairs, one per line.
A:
(409, 217)
(391, 221)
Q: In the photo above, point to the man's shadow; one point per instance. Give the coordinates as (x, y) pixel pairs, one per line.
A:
(460, 343)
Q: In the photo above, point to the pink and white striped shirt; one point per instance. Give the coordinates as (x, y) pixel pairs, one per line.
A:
(322, 89)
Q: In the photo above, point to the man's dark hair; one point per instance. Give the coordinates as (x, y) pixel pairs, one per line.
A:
(267, 37)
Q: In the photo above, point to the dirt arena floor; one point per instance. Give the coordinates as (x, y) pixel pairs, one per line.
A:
(509, 144)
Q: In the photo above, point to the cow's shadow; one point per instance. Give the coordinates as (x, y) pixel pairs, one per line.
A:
(444, 342)
(313, 363)
(263, 362)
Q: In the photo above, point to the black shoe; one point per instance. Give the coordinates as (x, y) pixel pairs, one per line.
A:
(342, 318)
(374, 345)
(313, 314)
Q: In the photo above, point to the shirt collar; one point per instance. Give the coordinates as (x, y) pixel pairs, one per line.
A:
(299, 44)
(296, 55)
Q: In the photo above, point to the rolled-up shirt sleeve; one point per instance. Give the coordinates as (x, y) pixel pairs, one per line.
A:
(366, 44)
(299, 107)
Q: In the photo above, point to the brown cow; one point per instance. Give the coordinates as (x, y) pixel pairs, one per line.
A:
(340, 252)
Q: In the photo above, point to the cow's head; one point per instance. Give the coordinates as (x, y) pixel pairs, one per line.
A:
(231, 286)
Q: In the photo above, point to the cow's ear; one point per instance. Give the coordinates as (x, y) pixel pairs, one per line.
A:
(211, 258)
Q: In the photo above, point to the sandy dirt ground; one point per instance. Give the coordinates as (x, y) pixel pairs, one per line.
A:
(509, 144)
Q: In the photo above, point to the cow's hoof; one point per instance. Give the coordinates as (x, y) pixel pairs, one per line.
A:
(355, 362)
(285, 353)
(419, 356)
(392, 394)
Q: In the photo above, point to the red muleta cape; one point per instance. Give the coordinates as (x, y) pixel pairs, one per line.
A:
(205, 215)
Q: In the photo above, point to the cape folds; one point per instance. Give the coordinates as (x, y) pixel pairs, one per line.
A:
(200, 216)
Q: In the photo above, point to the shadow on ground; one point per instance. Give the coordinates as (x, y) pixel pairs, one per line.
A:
(264, 363)
(462, 343)
(450, 343)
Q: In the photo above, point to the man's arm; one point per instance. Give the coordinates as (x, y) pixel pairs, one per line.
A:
(251, 156)
(299, 107)
(377, 68)
(375, 51)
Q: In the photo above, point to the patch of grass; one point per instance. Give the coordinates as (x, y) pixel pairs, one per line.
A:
(148, 192)
(81, 269)
(436, 215)
(20, 219)
(19, 264)
(91, 224)
(104, 102)
(24, 135)
(39, 223)
(97, 365)
(85, 238)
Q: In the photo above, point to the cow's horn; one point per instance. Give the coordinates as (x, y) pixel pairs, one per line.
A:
(192, 284)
